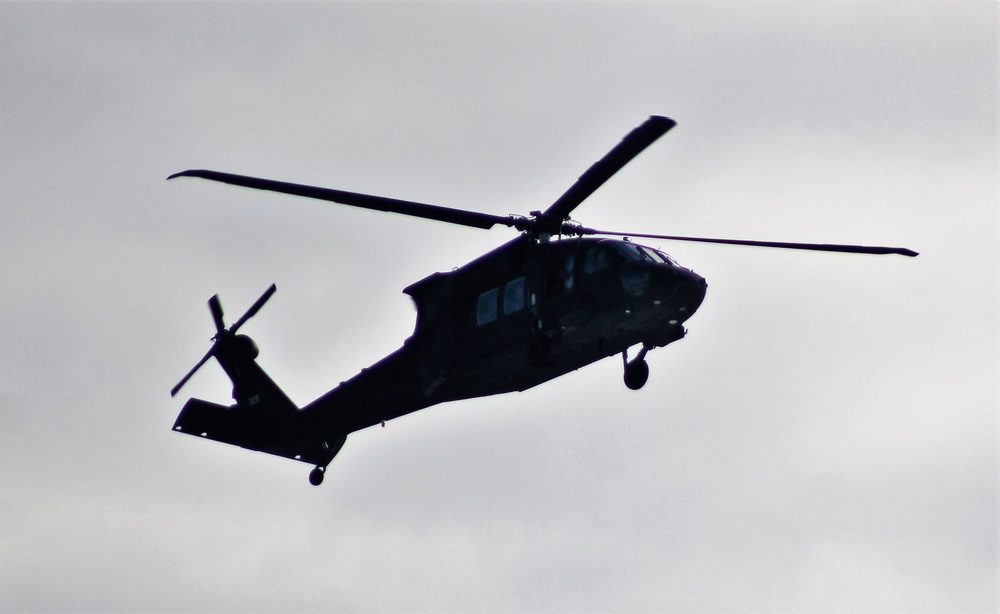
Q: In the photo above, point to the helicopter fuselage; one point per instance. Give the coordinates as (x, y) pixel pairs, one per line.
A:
(527, 312)
(518, 316)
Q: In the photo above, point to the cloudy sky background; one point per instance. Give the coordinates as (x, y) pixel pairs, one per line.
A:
(824, 439)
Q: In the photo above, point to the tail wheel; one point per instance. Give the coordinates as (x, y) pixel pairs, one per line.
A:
(316, 476)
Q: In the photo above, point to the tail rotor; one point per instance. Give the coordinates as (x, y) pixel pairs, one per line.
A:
(223, 335)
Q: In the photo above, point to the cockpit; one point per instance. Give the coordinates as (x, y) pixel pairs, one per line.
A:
(604, 254)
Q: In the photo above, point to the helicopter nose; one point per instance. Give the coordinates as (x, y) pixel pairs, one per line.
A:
(690, 291)
(681, 290)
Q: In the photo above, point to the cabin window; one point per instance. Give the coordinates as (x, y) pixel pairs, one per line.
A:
(513, 296)
(486, 309)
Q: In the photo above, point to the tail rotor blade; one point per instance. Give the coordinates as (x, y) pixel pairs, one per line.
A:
(216, 308)
(177, 388)
(254, 308)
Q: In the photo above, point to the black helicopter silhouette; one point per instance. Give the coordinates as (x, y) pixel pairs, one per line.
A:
(540, 306)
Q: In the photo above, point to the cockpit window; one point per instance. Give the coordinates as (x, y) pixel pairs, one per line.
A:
(657, 256)
(605, 254)
(629, 251)
(598, 258)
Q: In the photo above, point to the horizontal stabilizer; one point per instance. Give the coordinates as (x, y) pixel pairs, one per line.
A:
(236, 427)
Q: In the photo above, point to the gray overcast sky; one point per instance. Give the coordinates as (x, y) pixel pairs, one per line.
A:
(823, 440)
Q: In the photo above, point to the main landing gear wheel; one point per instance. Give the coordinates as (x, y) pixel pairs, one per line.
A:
(636, 370)
(316, 476)
(636, 374)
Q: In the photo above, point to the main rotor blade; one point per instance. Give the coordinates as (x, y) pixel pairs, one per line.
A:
(820, 247)
(254, 308)
(177, 388)
(631, 146)
(354, 199)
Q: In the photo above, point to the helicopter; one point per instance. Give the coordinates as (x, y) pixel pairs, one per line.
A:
(556, 298)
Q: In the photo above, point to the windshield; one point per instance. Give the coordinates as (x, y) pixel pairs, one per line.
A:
(603, 254)
(629, 251)
(657, 256)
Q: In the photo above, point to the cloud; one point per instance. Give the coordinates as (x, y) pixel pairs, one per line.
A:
(823, 439)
